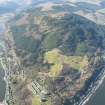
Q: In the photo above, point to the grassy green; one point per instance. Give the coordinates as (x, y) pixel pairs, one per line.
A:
(57, 59)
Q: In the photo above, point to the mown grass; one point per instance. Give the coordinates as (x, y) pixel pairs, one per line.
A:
(58, 59)
(55, 69)
(52, 56)
(36, 100)
(76, 62)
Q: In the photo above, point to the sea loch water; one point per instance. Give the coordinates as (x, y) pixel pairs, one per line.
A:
(2, 85)
(98, 97)
(2, 73)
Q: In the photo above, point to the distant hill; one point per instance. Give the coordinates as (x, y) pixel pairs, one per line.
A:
(8, 7)
(55, 27)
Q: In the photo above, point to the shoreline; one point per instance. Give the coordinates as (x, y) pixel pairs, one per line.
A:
(6, 81)
(83, 98)
(93, 88)
(5, 72)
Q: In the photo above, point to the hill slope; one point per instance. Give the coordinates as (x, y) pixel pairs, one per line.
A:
(59, 49)
(44, 31)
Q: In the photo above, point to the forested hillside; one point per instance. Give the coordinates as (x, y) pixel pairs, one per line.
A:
(60, 50)
(35, 32)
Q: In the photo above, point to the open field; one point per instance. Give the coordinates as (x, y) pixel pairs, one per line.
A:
(57, 59)
(36, 101)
